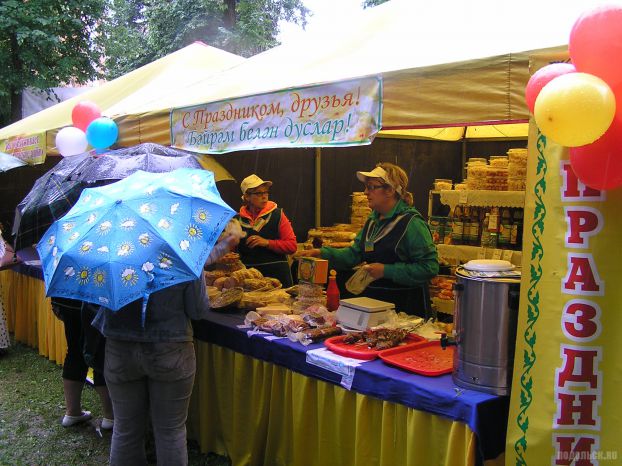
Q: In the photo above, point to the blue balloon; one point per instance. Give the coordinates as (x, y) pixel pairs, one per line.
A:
(102, 132)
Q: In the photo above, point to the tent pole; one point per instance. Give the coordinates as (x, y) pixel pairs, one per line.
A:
(464, 153)
(318, 187)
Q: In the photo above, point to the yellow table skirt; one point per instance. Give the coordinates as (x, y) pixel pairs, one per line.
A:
(29, 315)
(258, 413)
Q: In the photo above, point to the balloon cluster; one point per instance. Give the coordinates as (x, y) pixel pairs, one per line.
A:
(579, 105)
(89, 127)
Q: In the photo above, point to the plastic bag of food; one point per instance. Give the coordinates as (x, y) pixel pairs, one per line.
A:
(318, 316)
(227, 298)
(252, 317)
(301, 304)
(292, 323)
(313, 335)
(357, 283)
(255, 299)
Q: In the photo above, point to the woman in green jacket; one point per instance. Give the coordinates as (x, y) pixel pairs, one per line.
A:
(394, 245)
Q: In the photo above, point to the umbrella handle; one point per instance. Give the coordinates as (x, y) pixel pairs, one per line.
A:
(150, 283)
(143, 314)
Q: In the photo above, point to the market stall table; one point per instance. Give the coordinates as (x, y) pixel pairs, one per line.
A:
(28, 311)
(258, 400)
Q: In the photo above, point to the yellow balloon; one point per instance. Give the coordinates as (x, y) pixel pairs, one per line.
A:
(575, 109)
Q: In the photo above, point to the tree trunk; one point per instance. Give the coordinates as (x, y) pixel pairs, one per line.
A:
(16, 106)
(16, 94)
(229, 18)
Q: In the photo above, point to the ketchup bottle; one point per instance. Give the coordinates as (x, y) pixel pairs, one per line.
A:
(332, 292)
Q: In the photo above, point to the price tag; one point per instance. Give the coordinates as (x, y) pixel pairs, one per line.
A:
(463, 197)
(481, 253)
(496, 254)
(507, 255)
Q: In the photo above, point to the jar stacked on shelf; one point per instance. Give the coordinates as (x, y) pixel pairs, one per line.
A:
(341, 235)
(476, 173)
(360, 209)
(497, 174)
(517, 169)
(442, 184)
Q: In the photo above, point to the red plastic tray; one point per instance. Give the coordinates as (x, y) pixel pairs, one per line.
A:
(336, 345)
(425, 358)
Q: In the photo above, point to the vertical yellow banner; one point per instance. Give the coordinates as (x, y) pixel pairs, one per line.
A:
(565, 406)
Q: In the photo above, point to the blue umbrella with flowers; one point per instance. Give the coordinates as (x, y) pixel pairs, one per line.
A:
(126, 240)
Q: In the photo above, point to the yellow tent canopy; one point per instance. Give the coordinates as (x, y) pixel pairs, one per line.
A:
(430, 78)
(179, 69)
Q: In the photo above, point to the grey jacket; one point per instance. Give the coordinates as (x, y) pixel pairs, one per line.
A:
(167, 317)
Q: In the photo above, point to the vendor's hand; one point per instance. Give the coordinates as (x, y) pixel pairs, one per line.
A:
(376, 270)
(256, 241)
(307, 253)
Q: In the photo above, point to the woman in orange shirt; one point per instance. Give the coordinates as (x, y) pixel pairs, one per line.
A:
(270, 237)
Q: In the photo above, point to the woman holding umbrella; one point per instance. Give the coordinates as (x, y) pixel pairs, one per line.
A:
(150, 368)
(270, 236)
(144, 241)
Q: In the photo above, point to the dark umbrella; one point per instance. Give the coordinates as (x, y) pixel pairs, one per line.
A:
(149, 157)
(57, 190)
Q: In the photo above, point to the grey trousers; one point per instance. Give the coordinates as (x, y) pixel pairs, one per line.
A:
(153, 379)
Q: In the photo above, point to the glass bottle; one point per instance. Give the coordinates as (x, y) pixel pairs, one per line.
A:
(516, 236)
(485, 236)
(332, 292)
(474, 232)
(457, 227)
(493, 227)
(466, 225)
(505, 228)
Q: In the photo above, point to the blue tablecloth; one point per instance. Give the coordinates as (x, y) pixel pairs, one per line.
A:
(486, 415)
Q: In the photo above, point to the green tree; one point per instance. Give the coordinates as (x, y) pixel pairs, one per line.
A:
(45, 43)
(138, 32)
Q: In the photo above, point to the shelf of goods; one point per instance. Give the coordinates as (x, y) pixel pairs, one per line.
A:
(482, 198)
(455, 254)
(461, 253)
(341, 235)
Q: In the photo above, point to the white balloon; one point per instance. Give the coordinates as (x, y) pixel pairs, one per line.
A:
(71, 141)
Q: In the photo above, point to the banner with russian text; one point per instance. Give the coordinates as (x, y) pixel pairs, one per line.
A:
(340, 114)
(566, 407)
(30, 149)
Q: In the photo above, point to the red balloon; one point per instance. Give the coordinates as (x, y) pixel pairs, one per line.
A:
(84, 113)
(541, 78)
(599, 165)
(617, 92)
(595, 44)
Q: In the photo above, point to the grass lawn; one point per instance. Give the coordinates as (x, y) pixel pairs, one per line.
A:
(31, 407)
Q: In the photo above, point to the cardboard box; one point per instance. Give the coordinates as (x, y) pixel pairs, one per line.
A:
(312, 270)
